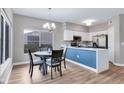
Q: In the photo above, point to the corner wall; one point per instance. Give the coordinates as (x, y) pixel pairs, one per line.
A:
(117, 23)
(76, 27)
(6, 67)
(121, 38)
(99, 27)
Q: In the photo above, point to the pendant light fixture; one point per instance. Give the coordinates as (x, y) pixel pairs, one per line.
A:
(49, 25)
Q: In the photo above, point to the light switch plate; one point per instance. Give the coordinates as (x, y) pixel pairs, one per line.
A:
(122, 43)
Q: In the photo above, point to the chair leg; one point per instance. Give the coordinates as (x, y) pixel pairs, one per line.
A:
(39, 67)
(64, 64)
(55, 69)
(60, 70)
(43, 69)
(31, 72)
(46, 69)
(29, 68)
(51, 74)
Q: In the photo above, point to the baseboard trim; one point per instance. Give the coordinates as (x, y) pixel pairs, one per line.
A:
(92, 69)
(118, 64)
(7, 79)
(21, 63)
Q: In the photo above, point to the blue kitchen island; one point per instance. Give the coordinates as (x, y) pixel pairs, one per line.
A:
(94, 59)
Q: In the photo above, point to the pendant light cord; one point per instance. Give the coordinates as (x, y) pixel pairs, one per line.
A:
(50, 14)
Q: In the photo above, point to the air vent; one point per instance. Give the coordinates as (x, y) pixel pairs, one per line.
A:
(109, 22)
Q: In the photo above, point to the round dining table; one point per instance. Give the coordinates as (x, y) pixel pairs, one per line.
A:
(43, 56)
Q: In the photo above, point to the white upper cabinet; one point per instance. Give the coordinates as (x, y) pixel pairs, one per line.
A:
(77, 33)
(68, 35)
(85, 36)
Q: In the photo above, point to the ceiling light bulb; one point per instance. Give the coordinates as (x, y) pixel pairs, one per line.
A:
(53, 25)
(89, 22)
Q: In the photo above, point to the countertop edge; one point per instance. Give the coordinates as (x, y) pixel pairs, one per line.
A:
(91, 49)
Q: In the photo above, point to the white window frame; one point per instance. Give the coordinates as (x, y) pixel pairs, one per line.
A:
(5, 20)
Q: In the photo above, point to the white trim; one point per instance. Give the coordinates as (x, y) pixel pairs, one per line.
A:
(118, 64)
(7, 79)
(82, 65)
(3, 13)
(20, 63)
(4, 66)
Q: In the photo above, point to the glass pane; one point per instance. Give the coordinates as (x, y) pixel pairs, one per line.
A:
(31, 39)
(1, 40)
(37, 40)
(6, 40)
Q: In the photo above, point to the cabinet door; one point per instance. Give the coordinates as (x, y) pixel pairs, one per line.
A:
(70, 54)
(77, 33)
(86, 57)
(68, 35)
(85, 36)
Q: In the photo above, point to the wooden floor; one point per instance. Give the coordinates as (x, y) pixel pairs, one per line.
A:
(74, 74)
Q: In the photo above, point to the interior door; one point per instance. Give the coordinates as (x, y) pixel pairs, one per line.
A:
(111, 43)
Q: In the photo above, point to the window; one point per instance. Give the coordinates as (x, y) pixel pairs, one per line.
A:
(33, 40)
(1, 40)
(4, 38)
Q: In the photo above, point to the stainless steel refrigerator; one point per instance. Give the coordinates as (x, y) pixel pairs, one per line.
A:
(101, 41)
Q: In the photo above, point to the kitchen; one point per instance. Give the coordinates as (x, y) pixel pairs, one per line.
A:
(83, 43)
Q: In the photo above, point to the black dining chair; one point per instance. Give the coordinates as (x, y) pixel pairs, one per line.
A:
(33, 63)
(55, 61)
(63, 57)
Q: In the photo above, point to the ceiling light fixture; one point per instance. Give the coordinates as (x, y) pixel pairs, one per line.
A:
(49, 25)
(89, 22)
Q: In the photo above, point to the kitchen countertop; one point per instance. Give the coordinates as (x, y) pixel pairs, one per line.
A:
(91, 49)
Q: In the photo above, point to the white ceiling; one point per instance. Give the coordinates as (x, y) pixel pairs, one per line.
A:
(74, 15)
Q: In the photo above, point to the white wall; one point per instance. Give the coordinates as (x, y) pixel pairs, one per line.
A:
(98, 27)
(23, 22)
(76, 27)
(6, 67)
(121, 38)
(117, 22)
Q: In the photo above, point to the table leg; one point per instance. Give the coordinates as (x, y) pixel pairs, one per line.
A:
(44, 66)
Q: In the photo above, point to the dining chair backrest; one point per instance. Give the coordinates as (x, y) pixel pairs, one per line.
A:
(57, 54)
(30, 56)
(64, 53)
